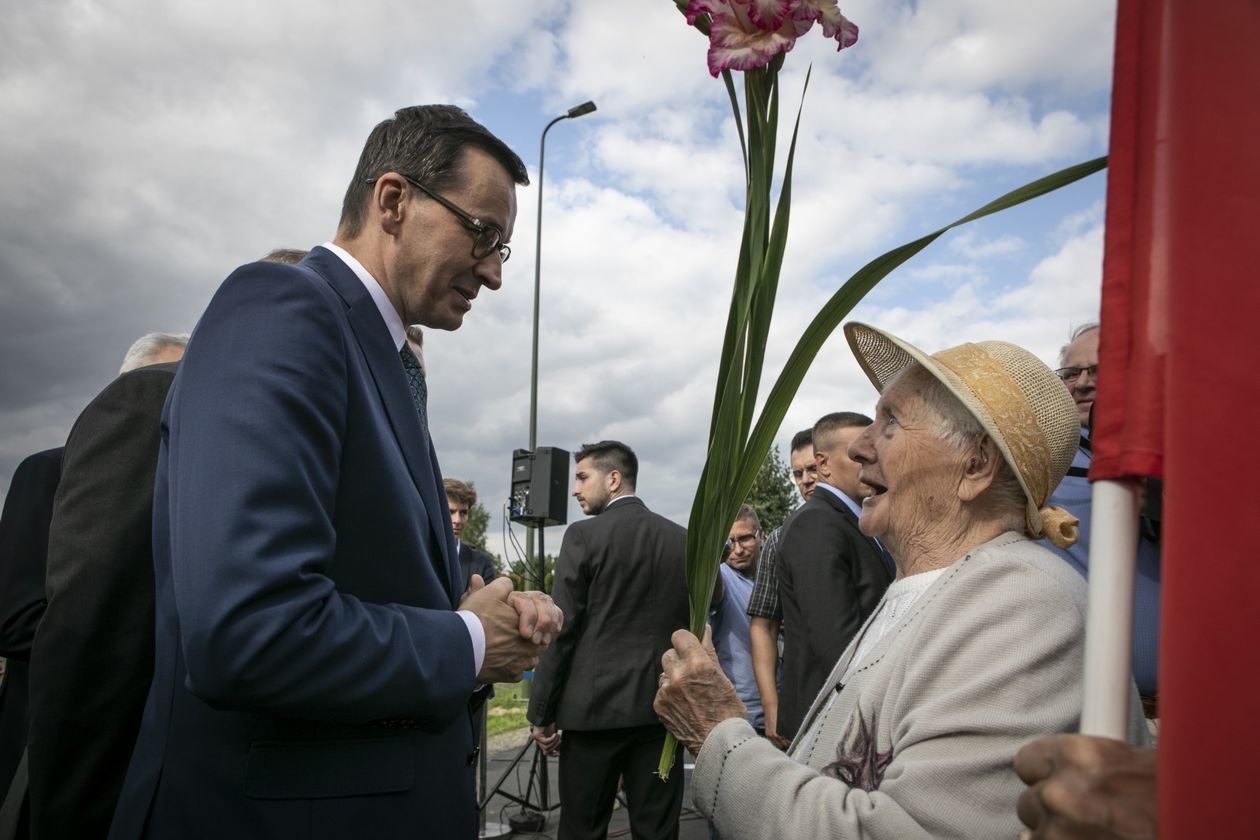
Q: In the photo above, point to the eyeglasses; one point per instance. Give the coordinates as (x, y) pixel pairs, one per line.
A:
(1071, 374)
(744, 539)
(812, 469)
(488, 238)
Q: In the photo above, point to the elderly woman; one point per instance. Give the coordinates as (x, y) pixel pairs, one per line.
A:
(975, 649)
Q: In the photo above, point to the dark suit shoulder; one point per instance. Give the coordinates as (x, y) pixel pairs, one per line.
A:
(136, 396)
(629, 513)
(41, 464)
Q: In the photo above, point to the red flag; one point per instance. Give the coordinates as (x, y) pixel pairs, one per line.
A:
(1179, 393)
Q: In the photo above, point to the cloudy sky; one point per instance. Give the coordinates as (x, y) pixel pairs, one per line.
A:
(152, 146)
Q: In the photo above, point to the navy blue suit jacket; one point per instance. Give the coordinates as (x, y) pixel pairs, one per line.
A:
(311, 678)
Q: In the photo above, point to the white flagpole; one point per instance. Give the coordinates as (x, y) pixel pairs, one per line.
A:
(1113, 543)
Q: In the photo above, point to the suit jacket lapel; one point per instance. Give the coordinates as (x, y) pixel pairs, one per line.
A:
(391, 383)
(837, 503)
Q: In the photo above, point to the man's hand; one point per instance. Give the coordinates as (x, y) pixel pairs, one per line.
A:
(1086, 788)
(509, 651)
(540, 618)
(694, 695)
(547, 738)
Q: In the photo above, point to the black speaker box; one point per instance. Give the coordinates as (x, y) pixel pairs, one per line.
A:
(540, 486)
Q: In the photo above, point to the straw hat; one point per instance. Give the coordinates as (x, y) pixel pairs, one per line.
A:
(1021, 404)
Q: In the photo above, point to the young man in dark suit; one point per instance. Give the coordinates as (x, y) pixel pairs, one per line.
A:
(621, 581)
(831, 575)
(314, 660)
(460, 498)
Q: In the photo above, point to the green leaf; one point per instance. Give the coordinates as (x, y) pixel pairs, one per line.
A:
(856, 288)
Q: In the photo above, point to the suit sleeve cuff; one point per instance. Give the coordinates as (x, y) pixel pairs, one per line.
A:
(477, 635)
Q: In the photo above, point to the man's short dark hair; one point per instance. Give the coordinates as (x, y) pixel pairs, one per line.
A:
(838, 420)
(747, 514)
(803, 438)
(424, 142)
(609, 455)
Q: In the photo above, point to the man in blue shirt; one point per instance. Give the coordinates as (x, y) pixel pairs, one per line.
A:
(1078, 368)
(729, 615)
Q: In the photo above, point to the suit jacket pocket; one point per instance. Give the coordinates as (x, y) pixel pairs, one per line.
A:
(328, 769)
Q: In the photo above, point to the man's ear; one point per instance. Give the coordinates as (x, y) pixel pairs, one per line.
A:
(822, 463)
(614, 480)
(388, 205)
(979, 470)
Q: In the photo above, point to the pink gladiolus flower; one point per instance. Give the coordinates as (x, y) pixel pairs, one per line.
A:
(746, 34)
(834, 24)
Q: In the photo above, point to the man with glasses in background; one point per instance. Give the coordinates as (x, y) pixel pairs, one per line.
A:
(314, 656)
(729, 614)
(1078, 368)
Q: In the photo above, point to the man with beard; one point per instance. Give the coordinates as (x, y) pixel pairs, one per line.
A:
(621, 582)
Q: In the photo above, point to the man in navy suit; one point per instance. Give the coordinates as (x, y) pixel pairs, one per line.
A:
(312, 672)
(460, 498)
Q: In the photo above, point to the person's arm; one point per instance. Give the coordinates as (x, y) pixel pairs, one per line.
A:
(763, 635)
(23, 546)
(765, 620)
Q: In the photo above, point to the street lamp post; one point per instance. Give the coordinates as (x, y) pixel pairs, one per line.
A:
(574, 112)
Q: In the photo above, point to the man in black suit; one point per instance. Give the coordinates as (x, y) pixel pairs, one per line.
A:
(93, 655)
(25, 597)
(831, 575)
(460, 498)
(621, 581)
(23, 547)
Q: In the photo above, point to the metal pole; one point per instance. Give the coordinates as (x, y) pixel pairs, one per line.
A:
(572, 113)
(544, 785)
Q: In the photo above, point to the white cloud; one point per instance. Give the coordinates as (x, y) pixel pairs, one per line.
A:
(152, 147)
(970, 246)
(966, 45)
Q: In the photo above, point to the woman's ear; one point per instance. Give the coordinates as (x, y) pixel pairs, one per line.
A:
(980, 469)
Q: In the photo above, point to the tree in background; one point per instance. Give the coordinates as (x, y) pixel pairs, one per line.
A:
(527, 578)
(773, 494)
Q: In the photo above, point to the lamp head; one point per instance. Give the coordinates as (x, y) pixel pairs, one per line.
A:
(581, 110)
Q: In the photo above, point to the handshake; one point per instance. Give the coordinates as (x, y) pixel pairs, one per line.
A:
(518, 626)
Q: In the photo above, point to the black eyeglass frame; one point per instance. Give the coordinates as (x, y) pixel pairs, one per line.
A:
(1062, 373)
(481, 249)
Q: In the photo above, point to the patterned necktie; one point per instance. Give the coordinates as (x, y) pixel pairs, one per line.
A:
(415, 384)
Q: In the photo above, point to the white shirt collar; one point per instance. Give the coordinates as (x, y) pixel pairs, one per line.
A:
(390, 315)
(844, 497)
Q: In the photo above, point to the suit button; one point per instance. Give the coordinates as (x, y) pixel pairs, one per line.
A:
(472, 756)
